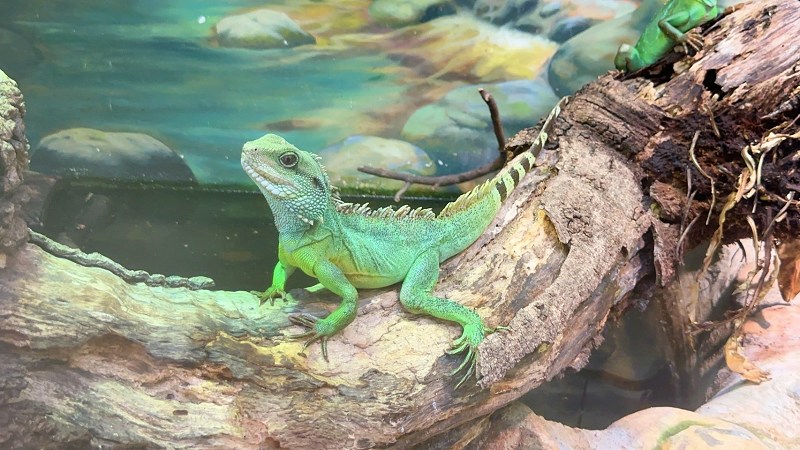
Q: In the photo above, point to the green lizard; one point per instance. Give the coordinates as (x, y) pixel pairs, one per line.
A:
(348, 246)
(667, 29)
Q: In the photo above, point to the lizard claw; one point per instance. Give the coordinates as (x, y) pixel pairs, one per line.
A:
(469, 362)
(271, 294)
(310, 321)
(470, 372)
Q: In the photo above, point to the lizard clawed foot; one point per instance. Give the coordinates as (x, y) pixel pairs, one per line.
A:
(469, 340)
(271, 294)
(315, 332)
(692, 39)
(471, 337)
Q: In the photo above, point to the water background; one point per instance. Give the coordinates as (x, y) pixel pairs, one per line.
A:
(147, 66)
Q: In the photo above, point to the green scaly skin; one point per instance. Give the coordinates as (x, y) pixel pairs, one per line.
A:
(667, 29)
(349, 246)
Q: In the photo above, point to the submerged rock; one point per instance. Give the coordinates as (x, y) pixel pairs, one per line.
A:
(552, 18)
(465, 48)
(342, 161)
(96, 154)
(263, 28)
(457, 130)
(394, 13)
(326, 20)
(503, 12)
(566, 28)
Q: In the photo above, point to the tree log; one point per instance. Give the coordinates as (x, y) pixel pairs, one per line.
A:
(88, 359)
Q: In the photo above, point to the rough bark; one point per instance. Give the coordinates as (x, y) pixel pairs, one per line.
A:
(87, 359)
(13, 161)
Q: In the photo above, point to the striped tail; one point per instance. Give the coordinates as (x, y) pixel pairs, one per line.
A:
(509, 176)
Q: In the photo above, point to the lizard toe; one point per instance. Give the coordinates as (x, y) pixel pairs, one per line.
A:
(457, 348)
(469, 359)
(470, 372)
(270, 295)
(304, 320)
(317, 331)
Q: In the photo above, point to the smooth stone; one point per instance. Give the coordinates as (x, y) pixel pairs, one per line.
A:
(557, 19)
(263, 28)
(457, 130)
(95, 154)
(550, 9)
(343, 159)
(503, 12)
(394, 13)
(462, 47)
(569, 27)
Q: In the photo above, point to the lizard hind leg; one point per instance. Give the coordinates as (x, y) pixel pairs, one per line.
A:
(416, 296)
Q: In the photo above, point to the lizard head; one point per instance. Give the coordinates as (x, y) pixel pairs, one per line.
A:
(289, 176)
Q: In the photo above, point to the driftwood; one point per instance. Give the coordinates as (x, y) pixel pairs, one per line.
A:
(88, 359)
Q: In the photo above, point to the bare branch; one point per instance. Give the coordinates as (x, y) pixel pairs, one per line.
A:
(447, 180)
(494, 113)
(444, 180)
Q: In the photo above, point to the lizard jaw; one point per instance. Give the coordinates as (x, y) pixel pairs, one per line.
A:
(266, 184)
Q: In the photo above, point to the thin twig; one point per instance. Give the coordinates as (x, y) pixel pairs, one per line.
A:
(758, 180)
(713, 123)
(686, 209)
(703, 172)
(444, 180)
(494, 113)
(447, 180)
(754, 231)
(684, 234)
(790, 104)
(402, 191)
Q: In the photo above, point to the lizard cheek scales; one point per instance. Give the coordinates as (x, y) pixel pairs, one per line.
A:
(348, 246)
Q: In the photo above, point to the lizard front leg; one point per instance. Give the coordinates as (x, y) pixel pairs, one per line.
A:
(332, 278)
(627, 58)
(697, 14)
(278, 288)
(416, 296)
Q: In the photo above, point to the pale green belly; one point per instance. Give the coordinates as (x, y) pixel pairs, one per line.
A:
(372, 281)
(375, 269)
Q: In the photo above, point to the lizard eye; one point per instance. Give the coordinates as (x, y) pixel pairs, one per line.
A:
(288, 159)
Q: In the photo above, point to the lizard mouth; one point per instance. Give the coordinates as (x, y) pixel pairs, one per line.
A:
(268, 183)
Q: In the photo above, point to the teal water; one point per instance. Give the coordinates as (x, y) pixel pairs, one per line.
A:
(148, 66)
